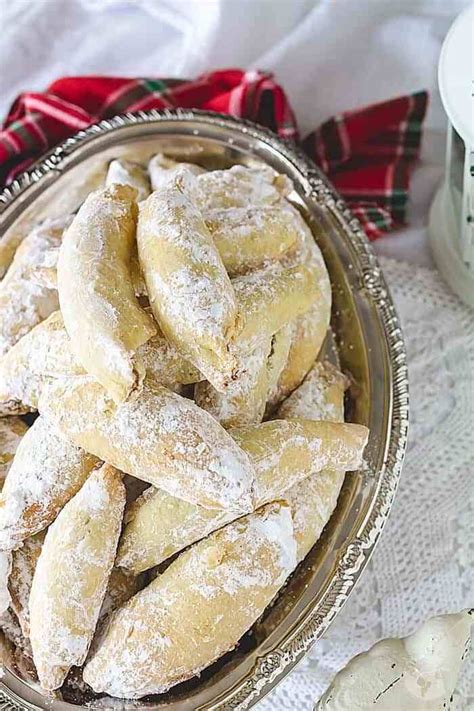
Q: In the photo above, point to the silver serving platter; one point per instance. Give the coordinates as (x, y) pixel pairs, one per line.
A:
(370, 347)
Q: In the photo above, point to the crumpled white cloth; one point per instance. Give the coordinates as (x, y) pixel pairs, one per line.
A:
(422, 565)
(330, 55)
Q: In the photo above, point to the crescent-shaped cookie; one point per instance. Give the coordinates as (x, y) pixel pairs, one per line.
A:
(24, 562)
(312, 501)
(196, 610)
(241, 186)
(101, 313)
(308, 336)
(45, 353)
(71, 576)
(243, 208)
(250, 238)
(158, 525)
(283, 453)
(310, 328)
(159, 437)
(163, 169)
(319, 397)
(122, 584)
(46, 472)
(243, 402)
(12, 430)
(126, 172)
(189, 290)
(270, 299)
(24, 301)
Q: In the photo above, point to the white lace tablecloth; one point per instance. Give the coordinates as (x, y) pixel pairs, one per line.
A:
(422, 565)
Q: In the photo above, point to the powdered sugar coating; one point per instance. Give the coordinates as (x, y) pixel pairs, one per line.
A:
(312, 501)
(282, 454)
(165, 364)
(121, 586)
(285, 452)
(45, 353)
(268, 300)
(159, 437)
(46, 471)
(159, 525)
(249, 238)
(310, 254)
(243, 402)
(71, 576)
(163, 169)
(274, 367)
(241, 186)
(126, 172)
(189, 290)
(12, 430)
(101, 313)
(24, 561)
(311, 327)
(5, 568)
(319, 397)
(197, 609)
(23, 301)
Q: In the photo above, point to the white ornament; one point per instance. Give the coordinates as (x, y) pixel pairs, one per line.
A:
(418, 672)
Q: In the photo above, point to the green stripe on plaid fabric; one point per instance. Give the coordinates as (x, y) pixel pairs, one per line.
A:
(8, 147)
(376, 194)
(131, 93)
(332, 140)
(374, 220)
(155, 86)
(27, 136)
(412, 134)
(265, 111)
(399, 191)
(163, 89)
(395, 203)
(380, 219)
(15, 125)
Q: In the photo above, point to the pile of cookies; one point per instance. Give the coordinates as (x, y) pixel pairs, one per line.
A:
(187, 448)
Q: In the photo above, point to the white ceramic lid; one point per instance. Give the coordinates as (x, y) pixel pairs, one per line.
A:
(456, 75)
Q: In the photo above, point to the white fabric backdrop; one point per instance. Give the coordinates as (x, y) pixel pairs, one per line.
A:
(330, 55)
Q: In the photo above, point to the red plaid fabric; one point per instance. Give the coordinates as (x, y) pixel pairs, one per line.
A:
(367, 154)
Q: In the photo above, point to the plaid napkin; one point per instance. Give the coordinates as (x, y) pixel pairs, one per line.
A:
(367, 153)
